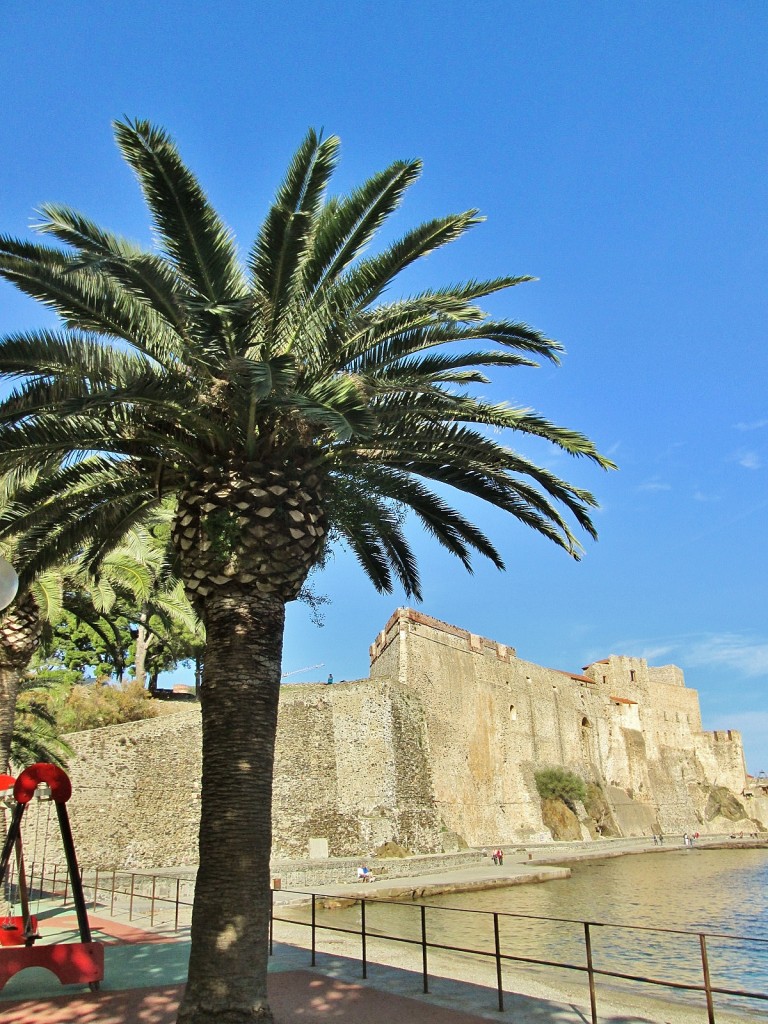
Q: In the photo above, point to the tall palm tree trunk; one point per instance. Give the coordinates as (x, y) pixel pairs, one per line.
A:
(20, 631)
(239, 700)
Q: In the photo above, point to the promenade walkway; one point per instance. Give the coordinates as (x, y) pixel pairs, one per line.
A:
(146, 971)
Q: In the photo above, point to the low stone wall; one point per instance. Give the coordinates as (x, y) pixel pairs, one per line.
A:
(302, 875)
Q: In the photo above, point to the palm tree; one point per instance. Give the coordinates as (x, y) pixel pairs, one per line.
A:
(135, 573)
(35, 736)
(281, 401)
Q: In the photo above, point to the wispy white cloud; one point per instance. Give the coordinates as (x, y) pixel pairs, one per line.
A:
(652, 653)
(745, 655)
(739, 653)
(748, 459)
(755, 425)
(702, 496)
(654, 485)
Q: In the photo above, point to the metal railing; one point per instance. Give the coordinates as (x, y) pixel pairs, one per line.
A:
(500, 957)
(147, 896)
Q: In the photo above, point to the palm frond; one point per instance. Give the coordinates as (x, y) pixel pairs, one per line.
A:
(280, 248)
(142, 273)
(346, 225)
(368, 278)
(198, 244)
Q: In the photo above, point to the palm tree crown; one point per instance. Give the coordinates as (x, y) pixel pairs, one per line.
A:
(285, 383)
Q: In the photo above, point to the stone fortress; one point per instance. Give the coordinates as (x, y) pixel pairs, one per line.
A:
(436, 750)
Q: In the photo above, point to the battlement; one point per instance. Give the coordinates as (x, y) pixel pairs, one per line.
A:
(725, 736)
(406, 620)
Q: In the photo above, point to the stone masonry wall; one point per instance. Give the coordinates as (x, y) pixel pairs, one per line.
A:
(493, 720)
(351, 767)
(438, 747)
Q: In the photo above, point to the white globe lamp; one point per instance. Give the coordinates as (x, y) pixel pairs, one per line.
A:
(9, 583)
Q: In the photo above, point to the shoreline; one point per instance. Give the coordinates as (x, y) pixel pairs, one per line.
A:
(466, 981)
(525, 865)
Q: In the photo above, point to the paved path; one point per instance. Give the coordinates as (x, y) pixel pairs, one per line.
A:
(146, 971)
(145, 974)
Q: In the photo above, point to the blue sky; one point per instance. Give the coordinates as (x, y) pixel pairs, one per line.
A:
(618, 152)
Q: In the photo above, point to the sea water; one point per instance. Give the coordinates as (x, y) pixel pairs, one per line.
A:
(723, 893)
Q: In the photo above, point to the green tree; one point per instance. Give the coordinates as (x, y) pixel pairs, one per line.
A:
(559, 784)
(280, 400)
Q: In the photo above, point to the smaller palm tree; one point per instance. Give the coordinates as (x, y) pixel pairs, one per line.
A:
(35, 733)
(117, 581)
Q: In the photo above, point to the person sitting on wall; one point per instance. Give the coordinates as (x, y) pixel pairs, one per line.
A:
(364, 874)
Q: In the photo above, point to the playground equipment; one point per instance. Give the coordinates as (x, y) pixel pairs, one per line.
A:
(72, 962)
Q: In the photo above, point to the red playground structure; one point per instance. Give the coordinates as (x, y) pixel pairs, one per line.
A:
(73, 963)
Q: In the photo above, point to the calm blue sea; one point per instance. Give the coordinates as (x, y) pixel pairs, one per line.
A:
(720, 892)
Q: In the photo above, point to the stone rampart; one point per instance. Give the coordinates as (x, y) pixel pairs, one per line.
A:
(439, 748)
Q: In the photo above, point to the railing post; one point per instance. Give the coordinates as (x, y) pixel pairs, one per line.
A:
(95, 890)
(66, 887)
(363, 938)
(112, 898)
(313, 928)
(271, 919)
(424, 947)
(130, 902)
(590, 972)
(176, 913)
(497, 948)
(152, 903)
(707, 981)
(53, 883)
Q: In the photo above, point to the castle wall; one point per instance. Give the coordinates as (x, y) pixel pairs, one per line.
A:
(440, 745)
(493, 720)
(351, 767)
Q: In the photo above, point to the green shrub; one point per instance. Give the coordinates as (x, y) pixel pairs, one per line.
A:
(98, 703)
(558, 784)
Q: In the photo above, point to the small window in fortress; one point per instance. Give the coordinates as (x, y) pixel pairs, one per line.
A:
(585, 723)
(512, 713)
(632, 675)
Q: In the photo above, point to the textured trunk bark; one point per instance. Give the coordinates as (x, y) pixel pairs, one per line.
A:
(9, 689)
(239, 698)
(19, 639)
(198, 673)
